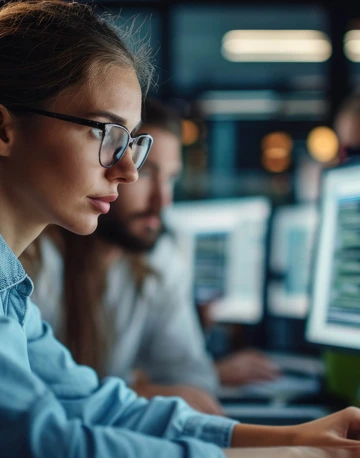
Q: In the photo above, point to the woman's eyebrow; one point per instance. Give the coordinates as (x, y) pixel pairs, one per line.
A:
(113, 118)
(136, 128)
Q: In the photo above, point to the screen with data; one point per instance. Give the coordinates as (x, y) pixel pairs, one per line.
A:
(334, 317)
(224, 244)
(344, 304)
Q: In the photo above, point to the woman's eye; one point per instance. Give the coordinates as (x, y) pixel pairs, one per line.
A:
(97, 133)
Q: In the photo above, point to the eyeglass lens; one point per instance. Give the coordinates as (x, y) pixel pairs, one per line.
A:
(115, 143)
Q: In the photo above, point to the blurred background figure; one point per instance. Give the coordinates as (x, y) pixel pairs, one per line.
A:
(347, 126)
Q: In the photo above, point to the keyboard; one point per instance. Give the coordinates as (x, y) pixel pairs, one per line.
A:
(297, 363)
(301, 376)
(284, 387)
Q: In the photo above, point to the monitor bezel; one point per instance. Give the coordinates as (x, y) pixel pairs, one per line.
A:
(242, 200)
(273, 274)
(349, 163)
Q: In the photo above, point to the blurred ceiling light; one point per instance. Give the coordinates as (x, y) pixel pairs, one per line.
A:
(248, 104)
(276, 46)
(352, 45)
(276, 151)
(190, 132)
(322, 144)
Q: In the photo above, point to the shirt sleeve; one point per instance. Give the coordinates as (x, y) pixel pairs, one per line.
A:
(173, 347)
(61, 404)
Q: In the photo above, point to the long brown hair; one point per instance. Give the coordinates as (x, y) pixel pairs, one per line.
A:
(85, 332)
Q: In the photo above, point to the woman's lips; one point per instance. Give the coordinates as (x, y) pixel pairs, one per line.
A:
(102, 206)
(103, 203)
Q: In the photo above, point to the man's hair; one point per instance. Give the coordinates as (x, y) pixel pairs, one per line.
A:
(349, 109)
(350, 104)
(159, 114)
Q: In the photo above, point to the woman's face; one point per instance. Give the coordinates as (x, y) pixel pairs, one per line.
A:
(54, 165)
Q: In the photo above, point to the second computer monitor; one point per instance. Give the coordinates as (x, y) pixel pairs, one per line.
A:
(334, 318)
(224, 244)
(293, 232)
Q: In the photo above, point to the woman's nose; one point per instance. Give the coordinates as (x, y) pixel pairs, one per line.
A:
(125, 170)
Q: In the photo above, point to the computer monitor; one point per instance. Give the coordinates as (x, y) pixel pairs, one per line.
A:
(293, 230)
(334, 317)
(224, 244)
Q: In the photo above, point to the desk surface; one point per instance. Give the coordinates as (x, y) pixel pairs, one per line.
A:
(283, 388)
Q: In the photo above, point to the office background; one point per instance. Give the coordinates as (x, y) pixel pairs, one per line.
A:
(257, 123)
(235, 106)
(258, 84)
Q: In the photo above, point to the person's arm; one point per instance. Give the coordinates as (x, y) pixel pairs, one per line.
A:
(34, 423)
(110, 402)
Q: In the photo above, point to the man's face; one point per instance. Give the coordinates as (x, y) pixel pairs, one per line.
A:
(134, 221)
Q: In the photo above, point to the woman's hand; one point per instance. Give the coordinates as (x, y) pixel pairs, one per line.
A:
(340, 429)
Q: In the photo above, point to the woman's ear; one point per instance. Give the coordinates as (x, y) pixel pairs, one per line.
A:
(6, 131)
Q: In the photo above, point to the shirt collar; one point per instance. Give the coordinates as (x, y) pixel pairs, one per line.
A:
(11, 270)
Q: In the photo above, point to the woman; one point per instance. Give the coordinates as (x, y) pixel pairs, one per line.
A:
(70, 94)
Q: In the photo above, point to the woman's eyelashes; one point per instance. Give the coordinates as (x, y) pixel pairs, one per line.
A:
(97, 133)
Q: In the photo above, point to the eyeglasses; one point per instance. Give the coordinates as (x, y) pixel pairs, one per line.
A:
(114, 138)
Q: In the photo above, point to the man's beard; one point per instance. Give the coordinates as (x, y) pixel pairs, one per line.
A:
(118, 233)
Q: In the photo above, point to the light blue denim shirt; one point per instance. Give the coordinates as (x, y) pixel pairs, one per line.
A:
(52, 407)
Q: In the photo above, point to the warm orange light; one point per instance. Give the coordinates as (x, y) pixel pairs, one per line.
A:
(276, 151)
(323, 144)
(277, 140)
(190, 132)
(276, 165)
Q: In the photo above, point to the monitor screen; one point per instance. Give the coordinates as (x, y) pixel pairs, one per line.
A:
(224, 244)
(293, 231)
(334, 317)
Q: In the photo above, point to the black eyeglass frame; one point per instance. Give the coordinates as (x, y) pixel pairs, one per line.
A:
(103, 126)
